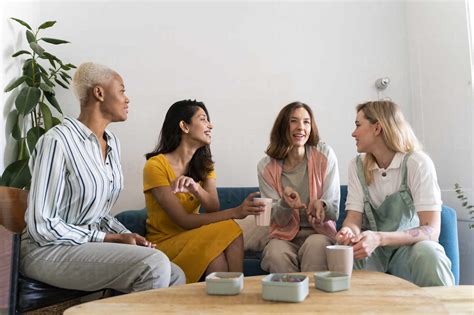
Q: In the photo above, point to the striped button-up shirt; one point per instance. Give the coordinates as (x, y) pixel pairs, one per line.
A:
(73, 188)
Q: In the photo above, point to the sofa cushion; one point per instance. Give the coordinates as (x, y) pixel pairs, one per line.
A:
(255, 237)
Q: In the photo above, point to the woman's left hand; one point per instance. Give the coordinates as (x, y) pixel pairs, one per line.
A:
(365, 243)
(185, 184)
(316, 212)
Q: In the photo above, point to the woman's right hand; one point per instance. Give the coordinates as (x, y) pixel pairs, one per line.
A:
(185, 184)
(128, 238)
(249, 206)
(344, 236)
(292, 198)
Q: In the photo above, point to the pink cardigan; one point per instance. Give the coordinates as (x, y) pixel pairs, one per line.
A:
(270, 171)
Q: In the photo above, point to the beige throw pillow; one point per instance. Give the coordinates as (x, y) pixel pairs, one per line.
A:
(255, 237)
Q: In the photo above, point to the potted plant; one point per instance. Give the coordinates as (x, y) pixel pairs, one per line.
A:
(36, 108)
(460, 195)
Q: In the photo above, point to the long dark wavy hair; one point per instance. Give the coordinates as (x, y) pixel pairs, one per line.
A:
(280, 141)
(201, 163)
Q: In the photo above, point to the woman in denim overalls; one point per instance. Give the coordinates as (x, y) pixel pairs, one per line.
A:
(394, 201)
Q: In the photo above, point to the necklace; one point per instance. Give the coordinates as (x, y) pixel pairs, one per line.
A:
(386, 164)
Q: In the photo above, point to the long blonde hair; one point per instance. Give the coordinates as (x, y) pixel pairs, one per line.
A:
(396, 131)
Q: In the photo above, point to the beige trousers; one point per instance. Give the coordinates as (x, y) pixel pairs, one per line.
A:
(306, 252)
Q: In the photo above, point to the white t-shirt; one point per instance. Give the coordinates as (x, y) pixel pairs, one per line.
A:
(421, 180)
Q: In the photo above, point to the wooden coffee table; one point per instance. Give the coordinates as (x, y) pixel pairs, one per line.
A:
(370, 292)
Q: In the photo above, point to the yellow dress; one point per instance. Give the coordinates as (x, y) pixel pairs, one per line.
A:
(192, 250)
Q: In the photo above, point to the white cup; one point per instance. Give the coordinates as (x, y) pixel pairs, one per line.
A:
(340, 258)
(263, 219)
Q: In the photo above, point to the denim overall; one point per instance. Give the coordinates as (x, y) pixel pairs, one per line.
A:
(423, 263)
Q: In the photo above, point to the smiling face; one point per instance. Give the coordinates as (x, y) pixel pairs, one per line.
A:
(299, 127)
(364, 133)
(199, 129)
(115, 103)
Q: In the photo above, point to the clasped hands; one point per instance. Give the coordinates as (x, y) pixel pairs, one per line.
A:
(363, 244)
(315, 210)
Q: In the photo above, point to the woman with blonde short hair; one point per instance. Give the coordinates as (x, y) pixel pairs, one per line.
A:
(71, 239)
(394, 201)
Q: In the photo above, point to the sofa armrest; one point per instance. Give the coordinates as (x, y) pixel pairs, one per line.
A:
(448, 238)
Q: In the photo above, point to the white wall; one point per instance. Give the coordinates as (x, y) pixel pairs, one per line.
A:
(246, 60)
(440, 69)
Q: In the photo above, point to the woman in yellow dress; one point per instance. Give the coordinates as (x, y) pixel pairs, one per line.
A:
(178, 179)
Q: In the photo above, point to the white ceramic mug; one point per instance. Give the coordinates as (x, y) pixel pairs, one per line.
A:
(340, 258)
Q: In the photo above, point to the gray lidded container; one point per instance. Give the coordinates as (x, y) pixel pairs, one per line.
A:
(284, 291)
(224, 283)
(331, 281)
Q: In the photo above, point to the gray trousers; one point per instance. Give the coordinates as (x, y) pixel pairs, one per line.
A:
(306, 252)
(95, 266)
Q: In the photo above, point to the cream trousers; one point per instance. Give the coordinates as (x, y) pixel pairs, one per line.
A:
(306, 252)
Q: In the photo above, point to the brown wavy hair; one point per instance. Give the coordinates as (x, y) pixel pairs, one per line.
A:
(280, 139)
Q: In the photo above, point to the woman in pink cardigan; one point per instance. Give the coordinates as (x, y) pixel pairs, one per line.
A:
(300, 174)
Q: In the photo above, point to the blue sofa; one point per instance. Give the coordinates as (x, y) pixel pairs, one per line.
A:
(229, 197)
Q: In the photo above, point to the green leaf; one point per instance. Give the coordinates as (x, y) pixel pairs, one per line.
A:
(54, 41)
(52, 62)
(46, 24)
(49, 56)
(21, 52)
(46, 88)
(31, 72)
(37, 48)
(27, 99)
(22, 149)
(16, 175)
(64, 78)
(52, 100)
(30, 37)
(61, 83)
(22, 23)
(41, 68)
(470, 207)
(56, 121)
(33, 135)
(16, 131)
(460, 196)
(15, 83)
(65, 73)
(46, 80)
(464, 203)
(27, 64)
(70, 65)
(47, 116)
